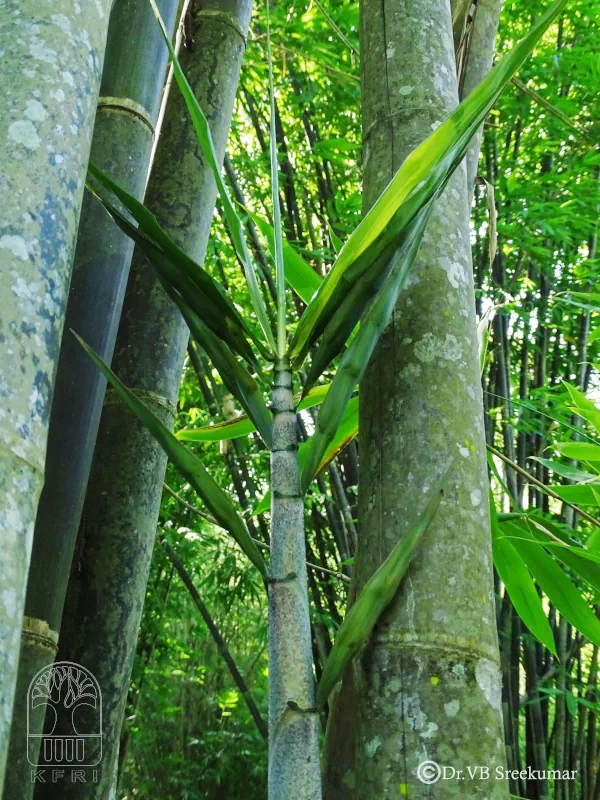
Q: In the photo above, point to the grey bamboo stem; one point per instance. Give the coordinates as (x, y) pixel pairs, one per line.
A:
(429, 683)
(478, 62)
(294, 769)
(51, 65)
(107, 588)
(131, 90)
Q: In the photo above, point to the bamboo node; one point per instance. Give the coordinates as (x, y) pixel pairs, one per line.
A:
(291, 576)
(129, 105)
(225, 18)
(37, 631)
(295, 707)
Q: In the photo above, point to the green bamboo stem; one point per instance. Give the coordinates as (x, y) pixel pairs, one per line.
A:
(429, 682)
(51, 65)
(294, 769)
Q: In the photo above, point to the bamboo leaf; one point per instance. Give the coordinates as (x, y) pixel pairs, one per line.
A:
(583, 494)
(277, 230)
(584, 407)
(181, 282)
(556, 585)
(556, 112)
(580, 560)
(356, 358)
(190, 467)
(594, 335)
(566, 471)
(235, 378)
(375, 597)
(423, 174)
(219, 432)
(483, 335)
(582, 451)
(234, 223)
(211, 301)
(336, 242)
(300, 275)
(519, 584)
(345, 319)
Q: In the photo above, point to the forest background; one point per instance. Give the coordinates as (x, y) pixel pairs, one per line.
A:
(187, 723)
(189, 731)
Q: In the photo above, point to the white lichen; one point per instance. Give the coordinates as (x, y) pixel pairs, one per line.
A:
(487, 675)
(23, 132)
(16, 244)
(452, 708)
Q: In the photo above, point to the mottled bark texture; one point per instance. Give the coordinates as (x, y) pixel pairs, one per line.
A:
(294, 769)
(130, 93)
(428, 681)
(52, 53)
(110, 570)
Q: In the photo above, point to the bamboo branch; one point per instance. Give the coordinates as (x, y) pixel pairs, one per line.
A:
(218, 639)
(542, 486)
(339, 575)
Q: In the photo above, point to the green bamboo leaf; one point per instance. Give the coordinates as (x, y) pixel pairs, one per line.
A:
(566, 471)
(519, 584)
(300, 275)
(593, 305)
(235, 378)
(556, 112)
(277, 229)
(234, 223)
(582, 451)
(336, 242)
(591, 298)
(345, 319)
(345, 433)
(584, 407)
(203, 295)
(553, 537)
(423, 174)
(375, 597)
(356, 358)
(190, 467)
(556, 585)
(483, 335)
(219, 432)
(583, 495)
(242, 426)
(594, 335)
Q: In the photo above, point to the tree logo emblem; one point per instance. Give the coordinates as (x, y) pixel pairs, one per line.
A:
(71, 739)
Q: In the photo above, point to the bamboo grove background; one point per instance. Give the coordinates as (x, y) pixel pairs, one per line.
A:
(189, 729)
(187, 723)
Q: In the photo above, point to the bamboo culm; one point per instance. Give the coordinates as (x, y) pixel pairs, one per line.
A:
(294, 769)
(46, 138)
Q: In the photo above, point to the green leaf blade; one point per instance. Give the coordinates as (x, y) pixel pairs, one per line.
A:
(376, 595)
(191, 468)
(423, 174)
